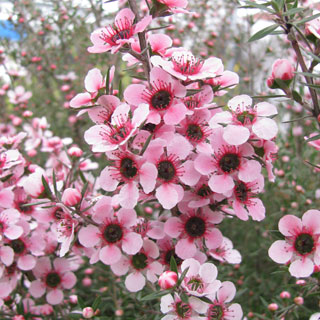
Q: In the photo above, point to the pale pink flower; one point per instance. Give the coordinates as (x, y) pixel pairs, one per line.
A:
(226, 253)
(110, 136)
(19, 95)
(200, 279)
(53, 278)
(162, 97)
(112, 38)
(313, 27)
(8, 224)
(301, 247)
(185, 66)
(315, 143)
(221, 307)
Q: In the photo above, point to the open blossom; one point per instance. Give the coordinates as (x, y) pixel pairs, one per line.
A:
(301, 247)
(121, 33)
(52, 278)
(226, 253)
(185, 66)
(313, 28)
(19, 95)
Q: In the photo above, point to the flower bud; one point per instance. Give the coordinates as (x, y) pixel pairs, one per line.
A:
(167, 280)
(282, 69)
(88, 312)
(285, 295)
(273, 307)
(298, 300)
(71, 197)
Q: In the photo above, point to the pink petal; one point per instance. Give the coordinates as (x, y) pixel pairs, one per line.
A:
(159, 42)
(26, 262)
(132, 243)
(185, 249)
(175, 114)
(227, 292)
(13, 232)
(265, 128)
(301, 268)
(89, 236)
(180, 146)
(129, 195)
(193, 265)
(6, 198)
(68, 280)
(213, 239)
(208, 272)
(135, 282)
(93, 80)
(6, 255)
(143, 23)
(290, 225)
(61, 265)
(266, 109)
(121, 267)
(54, 297)
(311, 220)
(124, 14)
(204, 164)
(148, 174)
(81, 99)
(42, 268)
(150, 248)
(37, 288)
(240, 211)
(235, 311)
(221, 183)
(110, 254)
(167, 195)
(133, 94)
(240, 102)
(127, 217)
(236, 135)
(190, 176)
(249, 170)
(256, 209)
(280, 251)
(172, 227)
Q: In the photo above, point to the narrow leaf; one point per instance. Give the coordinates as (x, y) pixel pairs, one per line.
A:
(264, 32)
(46, 187)
(307, 19)
(182, 276)
(155, 295)
(173, 264)
(96, 303)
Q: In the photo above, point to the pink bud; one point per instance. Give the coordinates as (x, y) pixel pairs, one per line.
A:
(71, 197)
(119, 313)
(73, 299)
(75, 152)
(86, 282)
(167, 280)
(88, 312)
(273, 307)
(282, 69)
(285, 295)
(298, 300)
(18, 317)
(301, 282)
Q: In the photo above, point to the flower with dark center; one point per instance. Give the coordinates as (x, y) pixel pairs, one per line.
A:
(161, 100)
(53, 279)
(121, 30)
(171, 253)
(229, 162)
(194, 132)
(25, 209)
(113, 233)
(149, 127)
(195, 284)
(304, 243)
(187, 64)
(18, 246)
(139, 261)
(128, 168)
(166, 170)
(191, 102)
(195, 227)
(160, 96)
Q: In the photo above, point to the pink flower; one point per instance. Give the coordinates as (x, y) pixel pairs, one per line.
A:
(108, 137)
(162, 97)
(281, 69)
(226, 253)
(8, 224)
(71, 197)
(191, 229)
(313, 28)
(112, 38)
(315, 143)
(220, 308)
(19, 95)
(114, 231)
(301, 247)
(184, 66)
(53, 279)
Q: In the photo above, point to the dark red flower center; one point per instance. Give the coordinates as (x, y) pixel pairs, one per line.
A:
(161, 100)
(194, 132)
(169, 254)
(121, 35)
(18, 246)
(195, 227)
(113, 233)
(187, 64)
(229, 162)
(241, 191)
(53, 279)
(128, 168)
(166, 170)
(304, 243)
(204, 191)
(139, 261)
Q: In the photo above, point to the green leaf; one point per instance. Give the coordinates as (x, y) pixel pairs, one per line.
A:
(75, 315)
(184, 297)
(34, 204)
(84, 189)
(145, 146)
(307, 19)
(264, 32)
(173, 264)
(182, 276)
(316, 137)
(96, 303)
(81, 302)
(55, 184)
(296, 96)
(205, 299)
(108, 80)
(155, 295)
(253, 5)
(308, 74)
(293, 11)
(46, 187)
(270, 96)
(191, 92)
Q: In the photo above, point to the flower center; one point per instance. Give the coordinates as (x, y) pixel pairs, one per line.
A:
(187, 64)
(121, 35)
(53, 279)
(166, 170)
(245, 117)
(24, 209)
(191, 103)
(194, 132)
(229, 162)
(171, 253)
(215, 313)
(128, 168)
(118, 134)
(304, 243)
(18, 246)
(183, 310)
(139, 261)
(195, 227)
(161, 100)
(241, 191)
(204, 191)
(195, 284)
(58, 214)
(113, 233)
